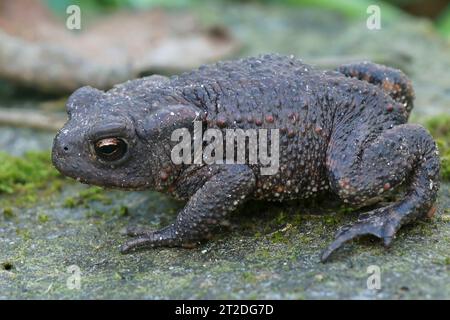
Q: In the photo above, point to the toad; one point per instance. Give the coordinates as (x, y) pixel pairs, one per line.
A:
(343, 132)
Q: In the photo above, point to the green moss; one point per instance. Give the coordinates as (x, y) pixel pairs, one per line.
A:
(343, 210)
(70, 202)
(119, 211)
(95, 213)
(25, 180)
(24, 233)
(439, 127)
(281, 218)
(249, 277)
(84, 197)
(8, 213)
(444, 149)
(279, 237)
(442, 262)
(257, 235)
(263, 253)
(43, 218)
(94, 194)
(18, 173)
(122, 211)
(331, 220)
(447, 261)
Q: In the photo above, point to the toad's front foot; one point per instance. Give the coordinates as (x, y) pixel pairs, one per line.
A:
(145, 238)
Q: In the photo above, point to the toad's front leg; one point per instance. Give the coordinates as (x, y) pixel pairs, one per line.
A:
(209, 205)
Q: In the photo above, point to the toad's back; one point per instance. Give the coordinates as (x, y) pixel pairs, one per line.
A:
(272, 92)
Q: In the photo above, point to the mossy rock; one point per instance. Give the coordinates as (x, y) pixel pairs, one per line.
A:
(50, 224)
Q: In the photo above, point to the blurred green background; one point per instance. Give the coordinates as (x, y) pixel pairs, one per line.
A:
(436, 10)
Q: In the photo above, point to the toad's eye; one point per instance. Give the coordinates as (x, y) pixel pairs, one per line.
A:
(111, 149)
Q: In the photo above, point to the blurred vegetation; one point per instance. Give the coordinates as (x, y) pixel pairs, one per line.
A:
(350, 8)
(443, 23)
(434, 9)
(100, 5)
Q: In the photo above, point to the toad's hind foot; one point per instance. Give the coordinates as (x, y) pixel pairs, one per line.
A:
(392, 81)
(382, 223)
(404, 156)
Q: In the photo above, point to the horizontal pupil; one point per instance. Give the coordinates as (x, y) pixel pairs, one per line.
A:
(108, 149)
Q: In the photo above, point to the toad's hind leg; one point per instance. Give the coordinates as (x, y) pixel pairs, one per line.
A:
(404, 155)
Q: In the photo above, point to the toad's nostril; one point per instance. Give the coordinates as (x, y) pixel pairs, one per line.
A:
(66, 148)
